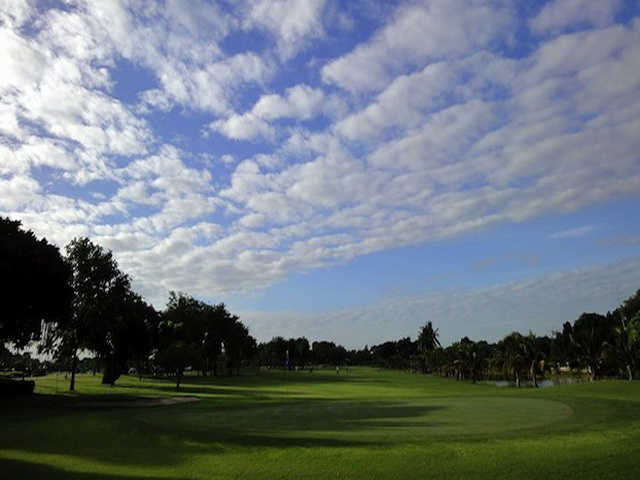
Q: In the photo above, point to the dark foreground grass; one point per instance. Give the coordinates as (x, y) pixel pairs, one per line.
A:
(363, 423)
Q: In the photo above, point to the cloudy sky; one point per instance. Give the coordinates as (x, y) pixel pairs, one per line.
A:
(341, 169)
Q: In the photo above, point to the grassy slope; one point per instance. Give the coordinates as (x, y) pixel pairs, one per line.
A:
(358, 424)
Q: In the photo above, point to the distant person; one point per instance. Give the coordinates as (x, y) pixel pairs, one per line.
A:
(337, 369)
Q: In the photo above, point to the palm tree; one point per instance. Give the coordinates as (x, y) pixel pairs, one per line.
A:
(593, 342)
(427, 343)
(511, 356)
(469, 360)
(533, 356)
(627, 347)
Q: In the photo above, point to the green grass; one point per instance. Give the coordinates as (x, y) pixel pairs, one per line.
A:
(363, 423)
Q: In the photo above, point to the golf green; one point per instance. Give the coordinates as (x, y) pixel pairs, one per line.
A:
(479, 416)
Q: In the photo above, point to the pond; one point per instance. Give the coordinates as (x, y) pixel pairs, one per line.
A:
(547, 382)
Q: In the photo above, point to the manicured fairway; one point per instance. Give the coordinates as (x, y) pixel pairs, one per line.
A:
(363, 423)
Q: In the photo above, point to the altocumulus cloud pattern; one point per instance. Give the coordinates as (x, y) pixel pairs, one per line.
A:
(221, 148)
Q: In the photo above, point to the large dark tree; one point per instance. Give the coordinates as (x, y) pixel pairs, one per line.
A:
(509, 357)
(328, 353)
(102, 301)
(34, 284)
(130, 331)
(208, 326)
(274, 352)
(178, 356)
(238, 344)
(627, 329)
(470, 359)
(427, 343)
(195, 323)
(593, 343)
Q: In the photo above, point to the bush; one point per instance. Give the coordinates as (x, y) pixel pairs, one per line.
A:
(16, 387)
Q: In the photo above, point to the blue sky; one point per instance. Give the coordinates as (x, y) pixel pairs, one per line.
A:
(342, 170)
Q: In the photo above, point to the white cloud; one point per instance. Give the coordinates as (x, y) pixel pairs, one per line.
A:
(444, 137)
(510, 150)
(560, 15)
(576, 232)
(18, 191)
(243, 127)
(16, 13)
(300, 102)
(445, 134)
(21, 61)
(402, 104)
(294, 23)
(419, 34)
(177, 193)
(208, 87)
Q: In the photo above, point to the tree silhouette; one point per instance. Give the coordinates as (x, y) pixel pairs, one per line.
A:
(510, 357)
(208, 326)
(427, 343)
(627, 331)
(101, 297)
(34, 284)
(593, 342)
(178, 356)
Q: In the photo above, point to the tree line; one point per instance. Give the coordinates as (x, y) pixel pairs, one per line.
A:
(602, 345)
(599, 345)
(82, 302)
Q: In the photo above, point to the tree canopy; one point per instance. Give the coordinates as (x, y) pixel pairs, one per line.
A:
(34, 284)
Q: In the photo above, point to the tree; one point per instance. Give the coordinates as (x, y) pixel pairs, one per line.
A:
(238, 344)
(561, 348)
(328, 353)
(101, 296)
(34, 285)
(593, 342)
(274, 352)
(631, 306)
(510, 357)
(178, 356)
(627, 319)
(470, 359)
(533, 355)
(215, 319)
(131, 333)
(427, 343)
(208, 326)
(632, 340)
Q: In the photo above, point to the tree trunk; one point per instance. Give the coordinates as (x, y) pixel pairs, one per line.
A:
(74, 366)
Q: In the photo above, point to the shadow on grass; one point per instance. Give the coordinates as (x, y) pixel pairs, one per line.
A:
(17, 469)
(165, 436)
(277, 378)
(284, 424)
